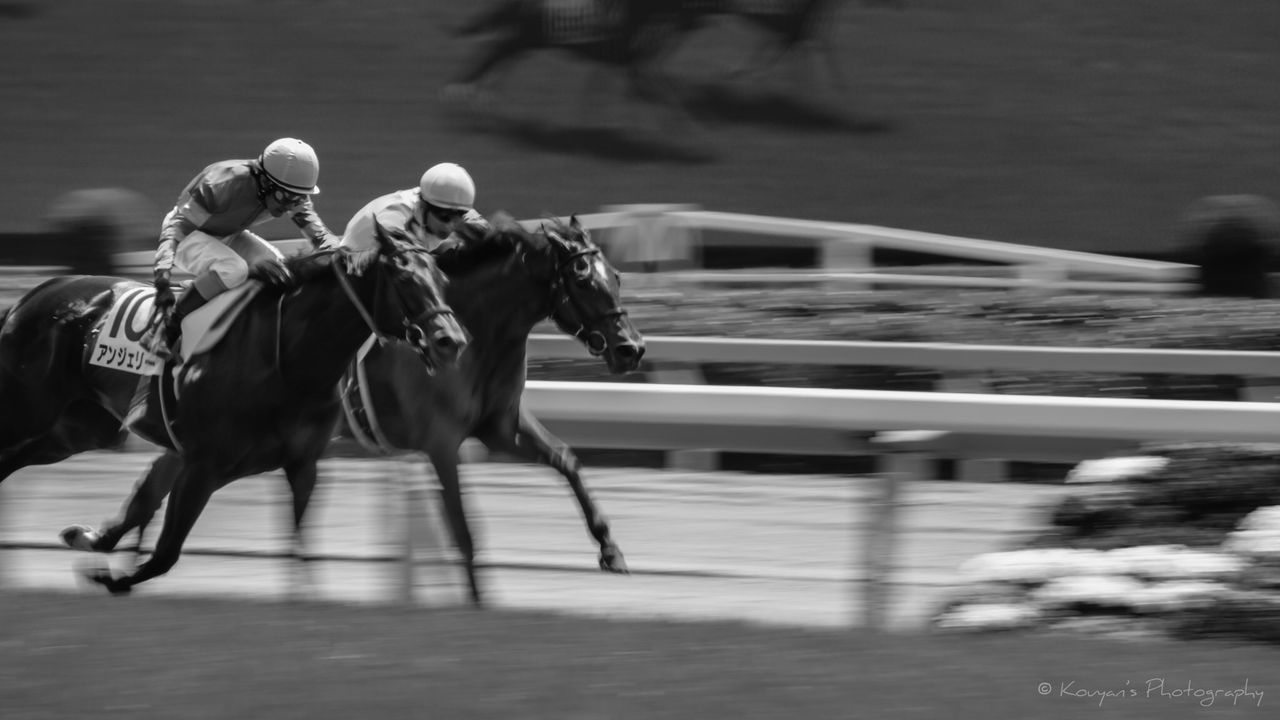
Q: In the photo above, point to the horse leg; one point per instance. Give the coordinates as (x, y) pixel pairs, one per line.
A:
(500, 52)
(83, 426)
(148, 494)
(656, 89)
(445, 461)
(827, 48)
(535, 443)
(302, 483)
(191, 492)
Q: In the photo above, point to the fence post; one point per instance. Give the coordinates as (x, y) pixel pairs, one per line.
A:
(653, 239)
(901, 459)
(5, 580)
(692, 460)
(843, 254)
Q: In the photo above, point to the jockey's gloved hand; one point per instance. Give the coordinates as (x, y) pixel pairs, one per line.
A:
(271, 271)
(164, 291)
(325, 241)
(473, 226)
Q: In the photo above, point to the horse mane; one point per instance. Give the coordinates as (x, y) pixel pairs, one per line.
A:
(306, 266)
(505, 238)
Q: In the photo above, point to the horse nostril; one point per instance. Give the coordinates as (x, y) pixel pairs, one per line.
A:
(444, 341)
(630, 351)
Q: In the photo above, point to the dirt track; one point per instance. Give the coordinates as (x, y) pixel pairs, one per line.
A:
(774, 549)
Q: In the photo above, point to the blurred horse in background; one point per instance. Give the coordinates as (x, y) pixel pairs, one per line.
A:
(501, 286)
(785, 26)
(631, 35)
(262, 398)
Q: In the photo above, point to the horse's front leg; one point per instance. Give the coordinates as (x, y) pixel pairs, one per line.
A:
(191, 491)
(141, 507)
(534, 442)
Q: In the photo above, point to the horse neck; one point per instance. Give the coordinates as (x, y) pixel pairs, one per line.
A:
(321, 328)
(499, 304)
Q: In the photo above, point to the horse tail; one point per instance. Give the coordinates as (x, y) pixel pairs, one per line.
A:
(497, 15)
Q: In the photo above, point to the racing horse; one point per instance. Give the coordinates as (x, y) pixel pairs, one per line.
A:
(501, 286)
(784, 26)
(263, 398)
(632, 35)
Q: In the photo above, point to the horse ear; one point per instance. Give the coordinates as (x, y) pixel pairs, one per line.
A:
(573, 222)
(383, 239)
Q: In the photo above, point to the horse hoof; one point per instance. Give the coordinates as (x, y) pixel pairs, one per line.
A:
(102, 576)
(614, 562)
(79, 537)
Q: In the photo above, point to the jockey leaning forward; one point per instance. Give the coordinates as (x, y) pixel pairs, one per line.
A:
(207, 232)
(442, 204)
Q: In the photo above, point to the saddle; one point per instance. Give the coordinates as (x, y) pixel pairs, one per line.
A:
(119, 341)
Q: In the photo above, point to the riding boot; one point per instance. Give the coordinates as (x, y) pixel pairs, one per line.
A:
(191, 301)
(138, 405)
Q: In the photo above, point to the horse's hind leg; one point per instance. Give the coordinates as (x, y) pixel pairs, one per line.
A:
(191, 492)
(535, 443)
(82, 427)
(302, 482)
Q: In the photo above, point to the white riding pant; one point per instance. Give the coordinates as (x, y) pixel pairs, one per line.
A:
(226, 258)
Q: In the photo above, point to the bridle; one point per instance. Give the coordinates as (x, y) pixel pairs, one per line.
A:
(413, 332)
(594, 340)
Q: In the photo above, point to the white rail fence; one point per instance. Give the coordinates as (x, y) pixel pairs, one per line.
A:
(633, 407)
(980, 455)
(663, 237)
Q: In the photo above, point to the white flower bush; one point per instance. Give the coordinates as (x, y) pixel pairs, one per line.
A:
(1030, 567)
(1175, 595)
(1101, 590)
(989, 616)
(1257, 536)
(1107, 470)
(1174, 562)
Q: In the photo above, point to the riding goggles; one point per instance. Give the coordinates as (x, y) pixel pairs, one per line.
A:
(447, 215)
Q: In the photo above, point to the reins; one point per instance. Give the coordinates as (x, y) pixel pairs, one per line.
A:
(414, 333)
(355, 299)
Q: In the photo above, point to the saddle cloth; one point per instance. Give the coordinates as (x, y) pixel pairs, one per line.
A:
(118, 344)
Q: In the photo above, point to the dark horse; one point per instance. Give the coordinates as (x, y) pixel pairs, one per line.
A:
(784, 27)
(264, 398)
(632, 35)
(501, 286)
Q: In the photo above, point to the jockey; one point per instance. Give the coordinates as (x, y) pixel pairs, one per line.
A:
(442, 204)
(207, 232)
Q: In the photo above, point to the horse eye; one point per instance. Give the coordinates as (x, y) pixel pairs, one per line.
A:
(582, 267)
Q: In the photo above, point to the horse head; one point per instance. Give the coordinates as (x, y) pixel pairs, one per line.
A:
(409, 300)
(586, 297)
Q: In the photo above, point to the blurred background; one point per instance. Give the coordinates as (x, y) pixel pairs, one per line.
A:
(1088, 126)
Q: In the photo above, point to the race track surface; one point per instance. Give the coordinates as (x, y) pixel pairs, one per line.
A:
(762, 548)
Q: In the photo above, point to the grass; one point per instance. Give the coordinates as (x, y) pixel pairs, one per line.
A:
(1052, 122)
(66, 656)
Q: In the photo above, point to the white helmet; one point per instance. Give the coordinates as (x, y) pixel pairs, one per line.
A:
(447, 185)
(292, 164)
